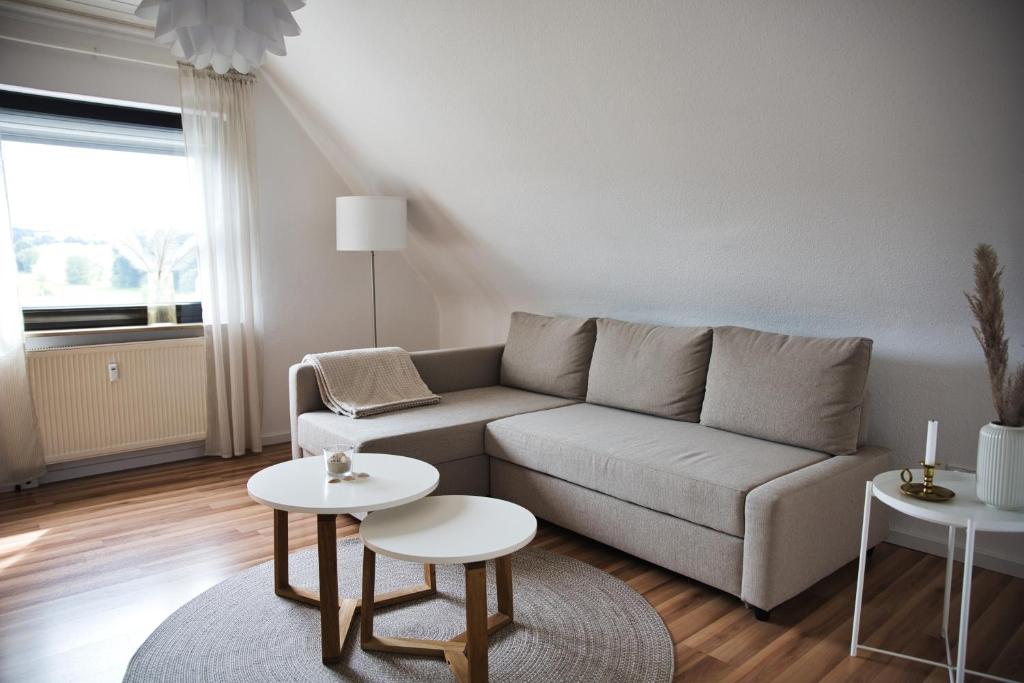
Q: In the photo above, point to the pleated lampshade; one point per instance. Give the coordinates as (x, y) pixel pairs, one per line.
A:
(224, 34)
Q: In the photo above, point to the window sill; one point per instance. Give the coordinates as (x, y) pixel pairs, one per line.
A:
(40, 340)
(134, 330)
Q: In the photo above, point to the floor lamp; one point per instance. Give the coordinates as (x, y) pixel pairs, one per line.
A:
(371, 224)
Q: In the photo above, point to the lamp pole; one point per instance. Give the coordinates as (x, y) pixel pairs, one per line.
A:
(373, 294)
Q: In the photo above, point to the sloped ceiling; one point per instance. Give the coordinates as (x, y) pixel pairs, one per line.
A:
(819, 167)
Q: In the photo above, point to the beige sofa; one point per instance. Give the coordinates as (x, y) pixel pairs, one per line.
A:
(759, 518)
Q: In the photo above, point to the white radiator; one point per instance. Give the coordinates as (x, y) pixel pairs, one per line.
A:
(158, 398)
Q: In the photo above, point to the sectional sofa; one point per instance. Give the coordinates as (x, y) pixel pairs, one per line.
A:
(732, 456)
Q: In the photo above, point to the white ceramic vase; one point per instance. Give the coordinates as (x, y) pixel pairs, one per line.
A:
(1001, 466)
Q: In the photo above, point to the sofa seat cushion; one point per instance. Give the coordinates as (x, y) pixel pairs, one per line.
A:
(449, 430)
(682, 469)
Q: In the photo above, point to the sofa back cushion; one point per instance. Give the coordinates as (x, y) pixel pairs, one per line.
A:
(802, 391)
(650, 369)
(548, 355)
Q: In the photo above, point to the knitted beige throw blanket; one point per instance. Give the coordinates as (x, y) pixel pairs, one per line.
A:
(364, 382)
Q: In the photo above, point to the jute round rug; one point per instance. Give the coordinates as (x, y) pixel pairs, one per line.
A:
(572, 623)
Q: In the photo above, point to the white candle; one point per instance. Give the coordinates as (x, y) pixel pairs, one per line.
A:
(933, 437)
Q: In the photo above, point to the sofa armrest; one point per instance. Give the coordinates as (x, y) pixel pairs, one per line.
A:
(303, 397)
(803, 526)
(457, 369)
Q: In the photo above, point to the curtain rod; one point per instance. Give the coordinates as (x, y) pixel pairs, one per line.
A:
(90, 53)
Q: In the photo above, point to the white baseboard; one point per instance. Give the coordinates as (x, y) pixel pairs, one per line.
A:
(121, 461)
(276, 438)
(127, 461)
(937, 546)
(104, 464)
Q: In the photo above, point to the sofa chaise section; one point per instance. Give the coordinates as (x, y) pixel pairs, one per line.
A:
(449, 435)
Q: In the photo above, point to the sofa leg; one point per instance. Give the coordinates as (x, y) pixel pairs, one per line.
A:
(762, 614)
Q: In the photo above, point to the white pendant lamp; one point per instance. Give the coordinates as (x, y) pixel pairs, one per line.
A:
(224, 34)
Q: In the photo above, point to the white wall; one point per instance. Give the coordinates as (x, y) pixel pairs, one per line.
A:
(820, 167)
(313, 298)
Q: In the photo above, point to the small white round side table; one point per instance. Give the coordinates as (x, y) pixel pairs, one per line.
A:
(466, 530)
(964, 511)
(303, 485)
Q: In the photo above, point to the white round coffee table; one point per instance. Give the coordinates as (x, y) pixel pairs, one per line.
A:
(965, 511)
(303, 485)
(467, 530)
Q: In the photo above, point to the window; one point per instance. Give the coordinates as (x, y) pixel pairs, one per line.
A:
(98, 197)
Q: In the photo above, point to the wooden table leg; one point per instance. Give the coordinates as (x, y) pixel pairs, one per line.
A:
(366, 606)
(336, 615)
(466, 653)
(503, 579)
(476, 621)
(327, 552)
(282, 585)
(430, 577)
(370, 601)
(503, 617)
(280, 550)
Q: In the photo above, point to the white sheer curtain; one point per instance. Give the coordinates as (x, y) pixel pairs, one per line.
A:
(217, 120)
(21, 450)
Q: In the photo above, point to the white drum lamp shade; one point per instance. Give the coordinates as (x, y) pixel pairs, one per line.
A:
(371, 223)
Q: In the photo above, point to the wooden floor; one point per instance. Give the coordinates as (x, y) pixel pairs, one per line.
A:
(89, 567)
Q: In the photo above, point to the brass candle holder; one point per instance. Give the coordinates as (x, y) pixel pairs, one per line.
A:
(926, 490)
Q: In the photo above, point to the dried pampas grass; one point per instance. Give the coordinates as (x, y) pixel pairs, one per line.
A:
(987, 306)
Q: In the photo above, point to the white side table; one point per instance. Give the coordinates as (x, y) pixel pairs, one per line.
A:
(964, 511)
(303, 485)
(466, 530)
